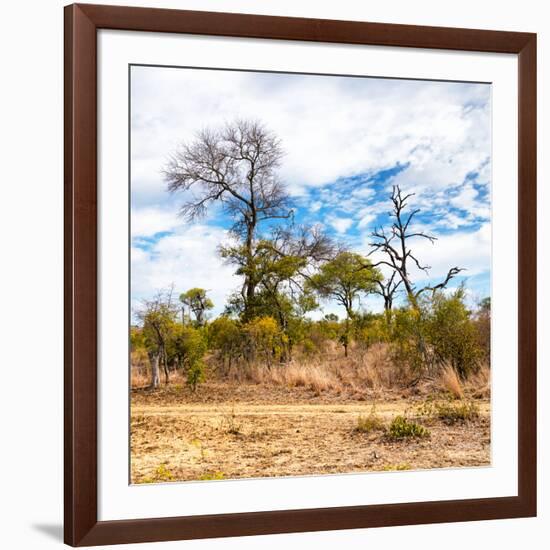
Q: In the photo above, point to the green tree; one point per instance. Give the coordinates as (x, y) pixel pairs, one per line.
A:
(344, 279)
(158, 317)
(198, 302)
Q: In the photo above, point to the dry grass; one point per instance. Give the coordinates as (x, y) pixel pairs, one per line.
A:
(185, 441)
(139, 378)
(371, 423)
(479, 383)
(450, 382)
(365, 374)
(361, 371)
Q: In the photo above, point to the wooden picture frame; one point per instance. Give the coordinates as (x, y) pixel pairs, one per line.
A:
(82, 528)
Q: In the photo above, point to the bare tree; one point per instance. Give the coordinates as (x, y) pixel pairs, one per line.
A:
(235, 166)
(394, 244)
(387, 290)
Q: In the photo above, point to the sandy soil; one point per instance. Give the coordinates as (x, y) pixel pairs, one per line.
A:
(248, 431)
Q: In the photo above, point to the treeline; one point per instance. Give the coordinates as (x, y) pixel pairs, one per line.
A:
(440, 332)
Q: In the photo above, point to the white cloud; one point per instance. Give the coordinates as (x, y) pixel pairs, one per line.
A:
(366, 220)
(186, 258)
(341, 225)
(146, 222)
(315, 206)
(468, 200)
(330, 127)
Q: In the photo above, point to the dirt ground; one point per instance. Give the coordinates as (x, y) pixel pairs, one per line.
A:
(229, 431)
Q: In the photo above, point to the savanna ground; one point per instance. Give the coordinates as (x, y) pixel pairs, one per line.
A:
(329, 415)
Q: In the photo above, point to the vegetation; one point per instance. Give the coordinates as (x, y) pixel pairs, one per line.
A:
(401, 428)
(370, 423)
(451, 413)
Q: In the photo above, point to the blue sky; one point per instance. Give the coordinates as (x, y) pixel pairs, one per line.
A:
(347, 141)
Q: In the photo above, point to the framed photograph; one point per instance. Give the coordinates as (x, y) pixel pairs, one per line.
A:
(300, 275)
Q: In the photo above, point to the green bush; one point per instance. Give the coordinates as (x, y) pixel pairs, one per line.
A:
(452, 333)
(396, 467)
(439, 331)
(264, 339)
(225, 336)
(189, 345)
(401, 428)
(195, 375)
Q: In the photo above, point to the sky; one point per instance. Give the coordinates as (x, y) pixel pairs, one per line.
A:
(347, 141)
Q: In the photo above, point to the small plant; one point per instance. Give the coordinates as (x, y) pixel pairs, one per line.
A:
(401, 428)
(370, 423)
(396, 467)
(212, 476)
(232, 426)
(164, 474)
(451, 413)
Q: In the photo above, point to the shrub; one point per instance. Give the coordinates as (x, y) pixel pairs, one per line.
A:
(264, 338)
(188, 345)
(451, 413)
(195, 375)
(453, 335)
(401, 428)
(409, 338)
(164, 474)
(370, 423)
(224, 335)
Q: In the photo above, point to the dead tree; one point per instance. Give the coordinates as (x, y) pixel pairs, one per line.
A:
(236, 167)
(398, 255)
(387, 290)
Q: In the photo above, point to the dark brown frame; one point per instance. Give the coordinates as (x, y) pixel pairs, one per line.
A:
(80, 492)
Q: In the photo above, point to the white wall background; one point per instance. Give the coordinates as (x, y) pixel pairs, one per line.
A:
(31, 177)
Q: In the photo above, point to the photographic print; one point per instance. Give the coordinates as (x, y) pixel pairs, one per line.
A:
(310, 274)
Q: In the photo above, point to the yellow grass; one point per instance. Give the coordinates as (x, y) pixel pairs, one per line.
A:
(450, 382)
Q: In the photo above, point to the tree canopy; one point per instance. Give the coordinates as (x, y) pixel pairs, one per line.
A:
(345, 278)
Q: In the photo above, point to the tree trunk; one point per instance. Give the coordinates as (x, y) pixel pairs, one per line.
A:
(155, 372)
(165, 365)
(250, 283)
